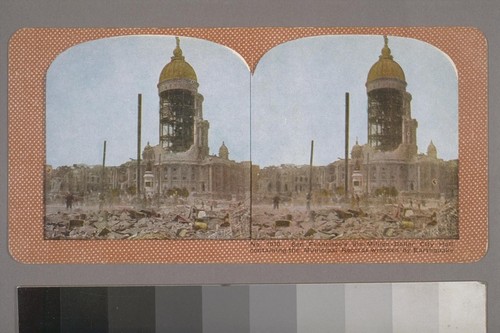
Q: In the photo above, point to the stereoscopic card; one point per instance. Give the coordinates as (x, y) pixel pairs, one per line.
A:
(248, 145)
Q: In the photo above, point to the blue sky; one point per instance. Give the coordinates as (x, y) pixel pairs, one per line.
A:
(297, 92)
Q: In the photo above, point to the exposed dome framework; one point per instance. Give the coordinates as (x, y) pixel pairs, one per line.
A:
(181, 118)
(389, 112)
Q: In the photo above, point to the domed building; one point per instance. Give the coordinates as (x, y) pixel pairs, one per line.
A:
(389, 110)
(390, 159)
(181, 112)
(431, 150)
(223, 151)
(182, 159)
(389, 162)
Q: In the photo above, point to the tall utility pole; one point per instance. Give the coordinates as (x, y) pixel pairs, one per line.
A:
(346, 171)
(367, 173)
(309, 194)
(103, 167)
(159, 179)
(139, 127)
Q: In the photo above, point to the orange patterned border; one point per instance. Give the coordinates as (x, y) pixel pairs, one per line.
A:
(31, 52)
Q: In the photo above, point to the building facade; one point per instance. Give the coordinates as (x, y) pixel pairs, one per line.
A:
(390, 160)
(181, 160)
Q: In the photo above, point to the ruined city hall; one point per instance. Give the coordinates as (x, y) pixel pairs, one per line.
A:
(388, 161)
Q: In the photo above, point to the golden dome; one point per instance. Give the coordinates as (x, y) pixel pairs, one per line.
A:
(386, 67)
(177, 68)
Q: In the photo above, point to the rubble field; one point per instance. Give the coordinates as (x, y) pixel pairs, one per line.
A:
(173, 222)
(232, 221)
(365, 222)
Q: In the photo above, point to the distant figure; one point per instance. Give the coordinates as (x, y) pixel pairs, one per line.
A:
(308, 201)
(101, 201)
(357, 201)
(69, 201)
(276, 202)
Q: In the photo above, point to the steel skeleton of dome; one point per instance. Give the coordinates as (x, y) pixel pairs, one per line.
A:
(389, 112)
(180, 103)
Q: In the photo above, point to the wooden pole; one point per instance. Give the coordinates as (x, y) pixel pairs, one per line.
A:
(159, 179)
(311, 166)
(103, 167)
(309, 194)
(367, 173)
(139, 127)
(346, 171)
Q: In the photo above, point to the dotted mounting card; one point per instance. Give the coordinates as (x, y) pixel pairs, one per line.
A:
(272, 188)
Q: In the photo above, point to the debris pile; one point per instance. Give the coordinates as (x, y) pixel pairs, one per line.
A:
(177, 222)
(233, 221)
(447, 219)
(371, 222)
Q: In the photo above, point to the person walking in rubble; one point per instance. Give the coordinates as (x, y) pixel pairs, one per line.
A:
(101, 201)
(276, 202)
(69, 201)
